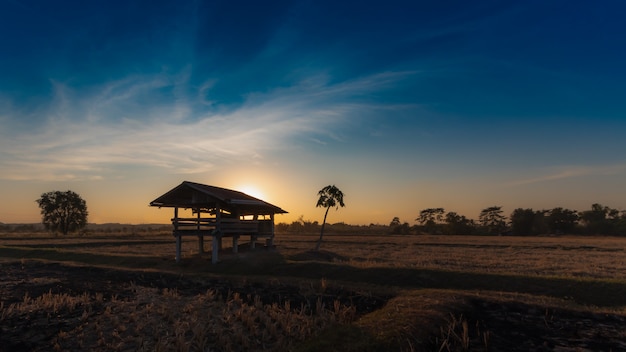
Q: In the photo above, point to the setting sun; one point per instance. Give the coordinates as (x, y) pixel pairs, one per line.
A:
(251, 191)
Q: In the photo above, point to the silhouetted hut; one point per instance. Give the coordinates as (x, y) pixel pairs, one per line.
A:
(218, 212)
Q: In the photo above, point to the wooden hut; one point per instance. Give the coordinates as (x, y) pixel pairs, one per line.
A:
(218, 213)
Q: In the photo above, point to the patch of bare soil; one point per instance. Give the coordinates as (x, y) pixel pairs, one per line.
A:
(321, 255)
(54, 291)
(554, 329)
(515, 326)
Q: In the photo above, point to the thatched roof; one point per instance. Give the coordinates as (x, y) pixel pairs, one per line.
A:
(198, 196)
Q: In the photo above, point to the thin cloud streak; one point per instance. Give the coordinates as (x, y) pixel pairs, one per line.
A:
(573, 172)
(80, 140)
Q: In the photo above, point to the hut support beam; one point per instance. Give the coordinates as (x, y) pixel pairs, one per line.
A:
(215, 249)
(216, 241)
(235, 244)
(178, 239)
(200, 238)
(178, 249)
(271, 241)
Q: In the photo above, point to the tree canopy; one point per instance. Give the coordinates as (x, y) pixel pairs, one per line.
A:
(63, 212)
(492, 220)
(329, 196)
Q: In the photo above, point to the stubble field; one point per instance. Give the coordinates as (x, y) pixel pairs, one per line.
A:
(124, 292)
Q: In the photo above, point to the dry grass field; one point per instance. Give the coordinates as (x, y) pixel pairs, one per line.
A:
(124, 292)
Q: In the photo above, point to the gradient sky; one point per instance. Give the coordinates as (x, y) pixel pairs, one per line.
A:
(404, 105)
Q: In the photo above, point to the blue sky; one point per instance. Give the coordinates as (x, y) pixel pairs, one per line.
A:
(404, 105)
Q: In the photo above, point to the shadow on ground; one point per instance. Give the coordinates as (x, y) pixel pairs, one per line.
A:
(331, 266)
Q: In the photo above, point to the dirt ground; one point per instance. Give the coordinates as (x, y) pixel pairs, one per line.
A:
(38, 329)
(515, 326)
(487, 324)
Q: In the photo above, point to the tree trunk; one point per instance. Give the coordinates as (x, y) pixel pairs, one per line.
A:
(319, 242)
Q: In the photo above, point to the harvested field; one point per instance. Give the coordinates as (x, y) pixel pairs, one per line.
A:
(360, 293)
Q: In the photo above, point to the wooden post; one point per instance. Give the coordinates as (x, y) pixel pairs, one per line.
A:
(253, 238)
(217, 236)
(215, 251)
(236, 244)
(175, 220)
(178, 240)
(200, 237)
(271, 243)
(178, 248)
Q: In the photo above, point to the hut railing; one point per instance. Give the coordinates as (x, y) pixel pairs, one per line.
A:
(194, 224)
(230, 226)
(227, 226)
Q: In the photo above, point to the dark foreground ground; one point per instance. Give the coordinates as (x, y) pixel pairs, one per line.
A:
(478, 323)
(43, 304)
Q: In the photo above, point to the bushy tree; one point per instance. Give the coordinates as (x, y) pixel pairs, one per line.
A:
(522, 221)
(620, 225)
(492, 220)
(396, 227)
(63, 212)
(458, 224)
(329, 196)
(600, 219)
(560, 220)
(526, 222)
(430, 218)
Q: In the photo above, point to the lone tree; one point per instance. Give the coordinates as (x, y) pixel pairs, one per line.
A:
(330, 196)
(63, 212)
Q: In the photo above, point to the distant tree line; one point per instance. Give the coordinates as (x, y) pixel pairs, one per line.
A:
(302, 226)
(599, 220)
(92, 229)
(21, 228)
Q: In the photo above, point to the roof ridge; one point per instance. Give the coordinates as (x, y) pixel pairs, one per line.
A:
(221, 194)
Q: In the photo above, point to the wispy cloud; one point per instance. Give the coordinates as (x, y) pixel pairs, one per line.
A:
(568, 172)
(87, 135)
